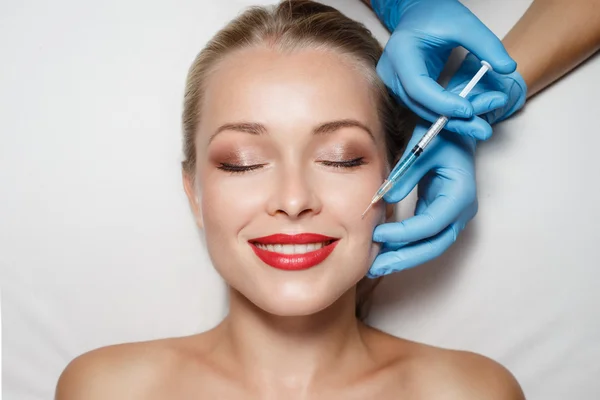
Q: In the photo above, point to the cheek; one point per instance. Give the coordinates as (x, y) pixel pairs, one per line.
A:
(353, 197)
(348, 198)
(351, 193)
(228, 203)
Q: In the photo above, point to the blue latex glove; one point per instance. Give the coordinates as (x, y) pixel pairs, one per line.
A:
(447, 200)
(445, 173)
(424, 34)
(508, 91)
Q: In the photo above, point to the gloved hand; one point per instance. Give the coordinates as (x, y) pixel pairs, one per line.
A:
(424, 34)
(445, 173)
(509, 90)
(447, 200)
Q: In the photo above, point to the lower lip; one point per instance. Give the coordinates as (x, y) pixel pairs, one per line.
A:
(294, 262)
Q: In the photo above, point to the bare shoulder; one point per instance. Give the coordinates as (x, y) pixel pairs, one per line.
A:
(126, 371)
(115, 372)
(423, 371)
(467, 375)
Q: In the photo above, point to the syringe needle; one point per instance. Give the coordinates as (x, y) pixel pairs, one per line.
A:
(378, 196)
(368, 208)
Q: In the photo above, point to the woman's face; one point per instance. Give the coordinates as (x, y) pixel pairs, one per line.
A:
(289, 151)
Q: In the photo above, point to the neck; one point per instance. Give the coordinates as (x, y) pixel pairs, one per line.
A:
(294, 352)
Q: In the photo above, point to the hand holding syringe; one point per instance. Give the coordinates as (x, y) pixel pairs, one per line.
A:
(403, 165)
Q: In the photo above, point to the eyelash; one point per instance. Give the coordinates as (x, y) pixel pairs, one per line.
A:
(238, 169)
(356, 162)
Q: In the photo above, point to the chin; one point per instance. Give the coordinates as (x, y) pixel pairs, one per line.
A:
(294, 298)
(295, 307)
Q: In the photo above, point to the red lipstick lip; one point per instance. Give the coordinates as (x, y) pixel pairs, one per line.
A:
(301, 238)
(294, 262)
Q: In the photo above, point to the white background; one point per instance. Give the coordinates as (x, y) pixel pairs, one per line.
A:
(98, 246)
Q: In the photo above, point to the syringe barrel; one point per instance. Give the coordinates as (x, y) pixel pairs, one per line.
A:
(432, 132)
(401, 168)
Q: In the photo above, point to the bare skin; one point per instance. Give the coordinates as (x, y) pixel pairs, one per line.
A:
(552, 38)
(206, 366)
(288, 334)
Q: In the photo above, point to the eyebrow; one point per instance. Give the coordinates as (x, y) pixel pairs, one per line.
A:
(255, 128)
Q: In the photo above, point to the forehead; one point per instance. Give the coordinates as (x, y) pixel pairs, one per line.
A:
(303, 87)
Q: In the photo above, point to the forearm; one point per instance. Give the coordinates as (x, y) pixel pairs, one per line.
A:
(552, 38)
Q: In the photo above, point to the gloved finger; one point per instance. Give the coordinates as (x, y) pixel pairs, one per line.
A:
(488, 111)
(414, 76)
(388, 246)
(443, 211)
(386, 72)
(415, 107)
(482, 42)
(517, 92)
(488, 101)
(409, 181)
(421, 205)
(474, 127)
(414, 254)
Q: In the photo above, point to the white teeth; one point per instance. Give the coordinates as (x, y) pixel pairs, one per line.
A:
(287, 248)
(292, 248)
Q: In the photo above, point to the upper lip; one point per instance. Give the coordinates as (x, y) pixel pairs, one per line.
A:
(300, 238)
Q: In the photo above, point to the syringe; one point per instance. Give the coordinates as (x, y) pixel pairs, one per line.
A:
(403, 165)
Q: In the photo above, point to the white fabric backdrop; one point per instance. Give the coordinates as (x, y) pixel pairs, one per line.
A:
(97, 244)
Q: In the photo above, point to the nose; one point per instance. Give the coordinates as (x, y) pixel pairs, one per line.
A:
(294, 195)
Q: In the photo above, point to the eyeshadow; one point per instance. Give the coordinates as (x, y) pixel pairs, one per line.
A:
(343, 151)
(239, 156)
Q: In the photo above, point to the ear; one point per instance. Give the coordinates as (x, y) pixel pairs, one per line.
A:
(390, 212)
(192, 194)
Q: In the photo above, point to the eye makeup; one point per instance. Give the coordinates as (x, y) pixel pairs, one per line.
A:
(237, 160)
(355, 162)
(346, 155)
(334, 154)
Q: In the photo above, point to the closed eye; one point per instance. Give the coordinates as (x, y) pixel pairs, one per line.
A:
(238, 169)
(356, 162)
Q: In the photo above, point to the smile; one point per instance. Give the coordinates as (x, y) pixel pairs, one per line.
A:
(293, 252)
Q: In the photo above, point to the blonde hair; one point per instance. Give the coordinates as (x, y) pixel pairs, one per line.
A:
(294, 25)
